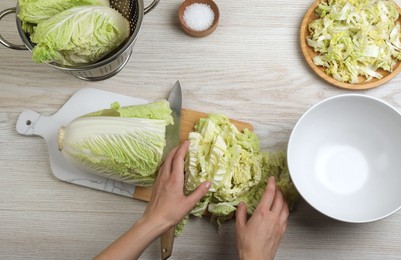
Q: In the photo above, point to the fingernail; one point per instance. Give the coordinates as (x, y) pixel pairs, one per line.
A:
(208, 184)
(241, 204)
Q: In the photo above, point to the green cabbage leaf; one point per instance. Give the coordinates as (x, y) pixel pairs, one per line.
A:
(32, 12)
(159, 109)
(123, 148)
(355, 38)
(79, 35)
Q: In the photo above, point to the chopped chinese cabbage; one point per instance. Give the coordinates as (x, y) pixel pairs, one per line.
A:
(355, 38)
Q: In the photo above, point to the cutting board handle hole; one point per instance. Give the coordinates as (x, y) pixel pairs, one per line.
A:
(28, 122)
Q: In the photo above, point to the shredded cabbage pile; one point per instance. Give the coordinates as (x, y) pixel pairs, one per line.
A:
(355, 37)
(238, 170)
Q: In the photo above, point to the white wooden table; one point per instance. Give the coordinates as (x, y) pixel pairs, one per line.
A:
(251, 68)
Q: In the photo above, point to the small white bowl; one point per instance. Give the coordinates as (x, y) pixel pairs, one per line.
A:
(344, 158)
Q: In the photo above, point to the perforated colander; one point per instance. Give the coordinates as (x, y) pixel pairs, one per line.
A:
(132, 10)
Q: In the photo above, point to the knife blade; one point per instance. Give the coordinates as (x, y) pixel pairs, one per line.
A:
(172, 140)
(173, 131)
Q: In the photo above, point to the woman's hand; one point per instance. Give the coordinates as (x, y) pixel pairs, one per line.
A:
(168, 204)
(260, 236)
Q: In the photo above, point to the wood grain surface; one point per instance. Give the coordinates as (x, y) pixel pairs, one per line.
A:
(251, 68)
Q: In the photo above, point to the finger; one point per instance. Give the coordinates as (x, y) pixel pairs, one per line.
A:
(198, 193)
(284, 226)
(178, 162)
(160, 175)
(268, 195)
(240, 216)
(278, 202)
(166, 167)
(285, 212)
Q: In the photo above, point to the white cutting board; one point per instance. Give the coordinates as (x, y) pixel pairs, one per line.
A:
(82, 102)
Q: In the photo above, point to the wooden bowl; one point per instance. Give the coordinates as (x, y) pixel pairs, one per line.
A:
(194, 33)
(309, 54)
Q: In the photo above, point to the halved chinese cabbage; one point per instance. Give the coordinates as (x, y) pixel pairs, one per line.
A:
(122, 146)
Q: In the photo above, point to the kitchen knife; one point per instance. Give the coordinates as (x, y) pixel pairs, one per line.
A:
(172, 140)
(173, 131)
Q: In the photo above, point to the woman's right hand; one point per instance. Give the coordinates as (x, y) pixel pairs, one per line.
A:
(260, 236)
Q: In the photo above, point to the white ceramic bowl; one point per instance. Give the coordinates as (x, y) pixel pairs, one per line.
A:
(344, 157)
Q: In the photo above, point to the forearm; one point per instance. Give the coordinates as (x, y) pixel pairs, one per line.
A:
(133, 242)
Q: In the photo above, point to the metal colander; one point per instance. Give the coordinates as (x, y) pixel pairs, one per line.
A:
(132, 10)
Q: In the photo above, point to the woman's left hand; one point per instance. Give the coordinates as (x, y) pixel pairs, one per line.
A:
(168, 204)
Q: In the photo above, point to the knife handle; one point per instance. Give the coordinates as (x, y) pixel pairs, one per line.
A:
(167, 242)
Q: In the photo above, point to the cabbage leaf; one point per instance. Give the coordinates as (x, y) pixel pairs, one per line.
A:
(80, 35)
(32, 12)
(159, 109)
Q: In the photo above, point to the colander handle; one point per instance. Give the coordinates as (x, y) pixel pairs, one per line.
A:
(4, 41)
(150, 6)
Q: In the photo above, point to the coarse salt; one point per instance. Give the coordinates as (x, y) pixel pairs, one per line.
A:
(198, 17)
